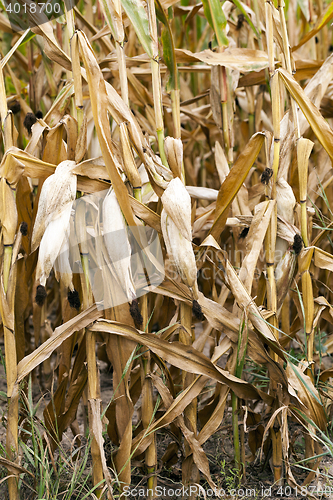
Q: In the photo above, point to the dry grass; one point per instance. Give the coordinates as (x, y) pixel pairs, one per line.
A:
(234, 102)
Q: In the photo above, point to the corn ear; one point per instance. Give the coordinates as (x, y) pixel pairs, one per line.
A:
(117, 243)
(284, 272)
(181, 251)
(53, 216)
(62, 268)
(177, 204)
(51, 244)
(158, 172)
(58, 190)
(285, 200)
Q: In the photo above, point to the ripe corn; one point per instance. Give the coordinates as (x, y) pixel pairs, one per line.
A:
(53, 217)
(117, 243)
(177, 234)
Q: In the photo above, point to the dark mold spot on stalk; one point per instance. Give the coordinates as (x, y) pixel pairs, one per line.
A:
(40, 295)
(29, 120)
(244, 233)
(135, 313)
(15, 107)
(39, 114)
(298, 244)
(266, 175)
(24, 228)
(197, 311)
(74, 299)
(240, 21)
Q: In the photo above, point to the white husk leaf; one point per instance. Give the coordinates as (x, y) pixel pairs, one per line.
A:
(58, 190)
(180, 251)
(53, 216)
(117, 243)
(177, 204)
(202, 193)
(51, 244)
(285, 200)
(69, 255)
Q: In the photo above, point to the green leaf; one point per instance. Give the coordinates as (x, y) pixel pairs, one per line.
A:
(168, 46)
(208, 16)
(29, 36)
(217, 20)
(137, 14)
(109, 19)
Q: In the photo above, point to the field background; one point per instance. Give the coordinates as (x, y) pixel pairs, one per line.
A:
(206, 124)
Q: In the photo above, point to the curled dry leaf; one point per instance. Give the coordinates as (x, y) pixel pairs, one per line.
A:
(180, 355)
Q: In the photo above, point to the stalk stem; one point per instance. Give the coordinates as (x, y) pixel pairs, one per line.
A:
(8, 319)
(156, 81)
(234, 405)
(270, 240)
(286, 49)
(190, 412)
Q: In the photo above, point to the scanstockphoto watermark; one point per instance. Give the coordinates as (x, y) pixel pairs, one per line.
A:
(232, 493)
(191, 491)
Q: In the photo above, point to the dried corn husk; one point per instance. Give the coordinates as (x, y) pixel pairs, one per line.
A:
(286, 200)
(160, 174)
(181, 252)
(117, 243)
(284, 273)
(177, 234)
(58, 191)
(53, 217)
(177, 204)
(174, 153)
(129, 163)
(69, 253)
(51, 244)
